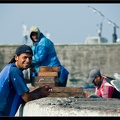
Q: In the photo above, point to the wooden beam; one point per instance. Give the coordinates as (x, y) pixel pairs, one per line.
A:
(65, 92)
(47, 74)
(49, 69)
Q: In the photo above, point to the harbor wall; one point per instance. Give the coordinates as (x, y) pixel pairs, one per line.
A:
(78, 59)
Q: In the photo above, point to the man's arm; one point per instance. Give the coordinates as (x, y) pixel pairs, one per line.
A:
(40, 92)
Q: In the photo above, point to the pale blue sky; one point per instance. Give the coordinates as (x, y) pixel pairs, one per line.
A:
(66, 23)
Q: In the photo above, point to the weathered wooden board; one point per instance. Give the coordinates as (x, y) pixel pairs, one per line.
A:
(65, 92)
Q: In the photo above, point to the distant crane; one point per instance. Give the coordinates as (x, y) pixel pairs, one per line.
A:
(114, 29)
(25, 33)
(108, 21)
(101, 24)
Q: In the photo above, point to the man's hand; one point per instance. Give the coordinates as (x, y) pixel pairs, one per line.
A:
(44, 91)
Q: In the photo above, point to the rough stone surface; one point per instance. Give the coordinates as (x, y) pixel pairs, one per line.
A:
(72, 106)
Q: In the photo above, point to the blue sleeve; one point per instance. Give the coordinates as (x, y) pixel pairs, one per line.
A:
(17, 79)
(41, 51)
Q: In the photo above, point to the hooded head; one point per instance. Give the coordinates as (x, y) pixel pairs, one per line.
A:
(34, 29)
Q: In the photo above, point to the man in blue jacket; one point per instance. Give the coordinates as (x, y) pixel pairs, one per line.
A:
(13, 89)
(44, 54)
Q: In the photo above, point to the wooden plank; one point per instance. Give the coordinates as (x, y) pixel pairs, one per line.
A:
(47, 74)
(49, 69)
(45, 79)
(67, 95)
(38, 81)
(67, 89)
(65, 92)
(52, 84)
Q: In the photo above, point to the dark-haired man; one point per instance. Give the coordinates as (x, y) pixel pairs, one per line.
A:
(13, 88)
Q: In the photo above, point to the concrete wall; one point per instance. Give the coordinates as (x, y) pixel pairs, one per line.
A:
(78, 59)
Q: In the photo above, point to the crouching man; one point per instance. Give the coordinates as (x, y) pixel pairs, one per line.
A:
(103, 88)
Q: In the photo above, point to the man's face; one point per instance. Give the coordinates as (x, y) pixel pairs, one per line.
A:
(97, 80)
(23, 61)
(34, 36)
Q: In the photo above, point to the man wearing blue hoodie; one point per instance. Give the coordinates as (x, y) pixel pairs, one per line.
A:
(44, 54)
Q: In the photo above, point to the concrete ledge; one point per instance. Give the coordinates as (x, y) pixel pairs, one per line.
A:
(71, 106)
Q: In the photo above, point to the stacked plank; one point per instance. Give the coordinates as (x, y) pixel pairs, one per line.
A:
(49, 76)
(46, 76)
